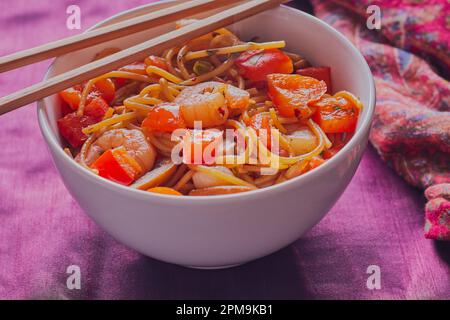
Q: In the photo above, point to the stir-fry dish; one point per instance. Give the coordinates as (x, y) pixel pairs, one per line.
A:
(214, 116)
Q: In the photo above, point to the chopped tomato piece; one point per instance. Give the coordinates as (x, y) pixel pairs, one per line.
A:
(336, 115)
(157, 62)
(103, 88)
(165, 190)
(319, 73)
(196, 143)
(96, 109)
(164, 117)
(292, 93)
(65, 109)
(106, 88)
(71, 127)
(261, 123)
(118, 166)
(72, 96)
(257, 64)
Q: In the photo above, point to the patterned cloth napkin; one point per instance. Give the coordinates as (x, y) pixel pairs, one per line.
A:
(411, 129)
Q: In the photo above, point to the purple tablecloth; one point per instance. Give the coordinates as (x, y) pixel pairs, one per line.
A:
(378, 220)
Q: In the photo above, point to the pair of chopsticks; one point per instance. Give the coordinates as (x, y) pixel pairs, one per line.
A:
(242, 10)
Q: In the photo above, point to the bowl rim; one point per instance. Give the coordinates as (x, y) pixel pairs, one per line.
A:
(245, 196)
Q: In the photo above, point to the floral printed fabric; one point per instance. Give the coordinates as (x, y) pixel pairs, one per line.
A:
(411, 129)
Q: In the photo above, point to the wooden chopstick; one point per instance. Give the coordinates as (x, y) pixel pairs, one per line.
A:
(108, 33)
(135, 53)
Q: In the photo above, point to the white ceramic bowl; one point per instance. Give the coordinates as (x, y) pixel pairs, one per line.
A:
(220, 231)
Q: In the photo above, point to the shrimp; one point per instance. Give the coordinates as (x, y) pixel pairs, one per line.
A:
(210, 102)
(133, 141)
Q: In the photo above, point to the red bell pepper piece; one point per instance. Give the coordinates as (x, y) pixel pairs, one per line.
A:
(116, 165)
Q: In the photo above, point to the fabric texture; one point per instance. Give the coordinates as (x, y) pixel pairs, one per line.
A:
(418, 26)
(377, 221)
(411, 128)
